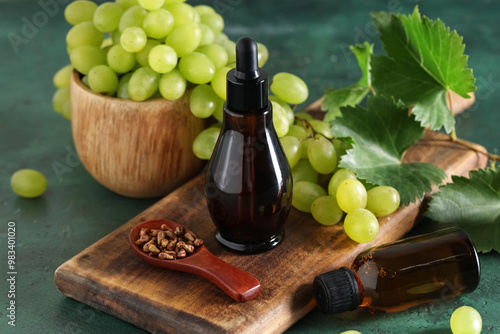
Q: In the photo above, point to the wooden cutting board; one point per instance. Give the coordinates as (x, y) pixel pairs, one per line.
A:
(110, 277)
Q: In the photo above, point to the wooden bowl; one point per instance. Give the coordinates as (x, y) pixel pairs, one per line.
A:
(136, 149)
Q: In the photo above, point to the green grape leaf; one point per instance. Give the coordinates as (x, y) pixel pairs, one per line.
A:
(382, 133)
(363, 54)
(473, 204)
(354, 94)
(336, 98)
(425, 61)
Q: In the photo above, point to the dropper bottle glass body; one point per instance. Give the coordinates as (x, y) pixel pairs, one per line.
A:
(395, 276)
(249, 184)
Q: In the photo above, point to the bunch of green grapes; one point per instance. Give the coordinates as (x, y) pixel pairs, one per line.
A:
(319, 154)
(146, 49)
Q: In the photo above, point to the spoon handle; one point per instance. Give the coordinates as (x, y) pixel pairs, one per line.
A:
(238, 284)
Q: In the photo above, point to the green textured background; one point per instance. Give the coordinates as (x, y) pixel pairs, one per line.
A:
(308, 38)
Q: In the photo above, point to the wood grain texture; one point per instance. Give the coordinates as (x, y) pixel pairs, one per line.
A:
(111, 277)
(136, 149)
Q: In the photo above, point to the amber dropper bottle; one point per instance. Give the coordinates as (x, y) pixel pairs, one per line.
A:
(249, 184)
(395, 276)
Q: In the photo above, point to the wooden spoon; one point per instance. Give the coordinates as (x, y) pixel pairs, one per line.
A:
(238, 284)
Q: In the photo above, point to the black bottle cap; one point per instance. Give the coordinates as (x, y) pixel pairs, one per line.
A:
(337, 291)
(247, 84)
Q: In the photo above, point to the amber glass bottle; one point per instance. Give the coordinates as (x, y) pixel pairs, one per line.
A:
(249, 185)
(395, 276)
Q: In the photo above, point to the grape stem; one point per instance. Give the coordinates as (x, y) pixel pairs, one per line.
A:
(372, 90)
(309, 127)
(494, 158)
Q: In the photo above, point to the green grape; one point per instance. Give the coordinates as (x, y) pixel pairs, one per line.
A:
(122, 90)
(133, 39)
(133, 17)
(305, 147)
(120, 60)
(143, 84)
(321, 127)
(115, 36)
(216, 53)
(168, 2)
(290, 88)
(185, 38)
(351, 332)
(172, 85)
(183, 13)
(85, 81)
(196, 17)
(197, 68)
(219, 109)
(204, 9)
(158, 23)
(203, 101)
(219, 81)
(151, 4)
(303, 171)
(382, 201)
(263, 54)
(84, 58)
(351, 195)
(126, 4)
(162, 58)
(292, 148)
(298, 132)
(142, 56)
(107, 43)
(280, 120)
(221, 38)
(84, 33)
(79, 11)
(103, 79)
(61, 96)
(339, 176)
(466, 320)
(230, 47)
(322, 155)
(28, 183)
(304, 115)
(207, 35)
(204, 143)
(304, 194)
(66, 110)
(107, 16)
(62, 78)
(326, 211)
(361, 225)
(286, 107)
(214, 21)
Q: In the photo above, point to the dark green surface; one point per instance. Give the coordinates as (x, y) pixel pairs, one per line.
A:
(309, 38)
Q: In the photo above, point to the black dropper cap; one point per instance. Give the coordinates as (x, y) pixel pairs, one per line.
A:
(247, 84)
(337, 291)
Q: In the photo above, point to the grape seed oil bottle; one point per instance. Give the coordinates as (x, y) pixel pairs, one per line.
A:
(395, 276)
(249, 184)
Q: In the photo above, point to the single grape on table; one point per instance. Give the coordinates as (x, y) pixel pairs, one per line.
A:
(28, 183)
(466, 320)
